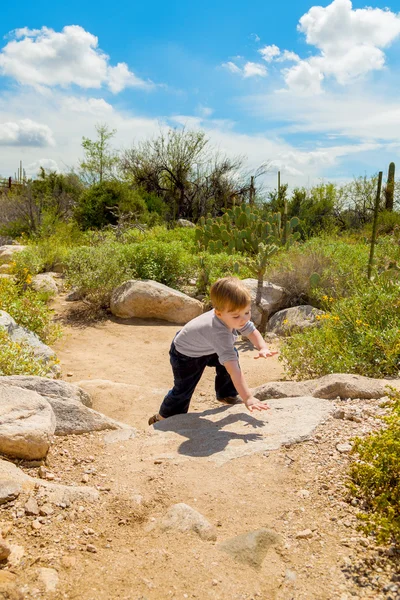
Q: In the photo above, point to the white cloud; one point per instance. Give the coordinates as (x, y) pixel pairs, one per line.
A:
(269, 52)
(71, 57)
(93, 106)
(350, 44)
(231, 67)
(25, 133)
(250, 69)
(289, 56)
(48, 164)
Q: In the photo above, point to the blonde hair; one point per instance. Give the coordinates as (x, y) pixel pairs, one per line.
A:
(229, 294)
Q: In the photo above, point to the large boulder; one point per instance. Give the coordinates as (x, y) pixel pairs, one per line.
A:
(147, 299)
(27, 423)
(185, 223)
(273, 298)
(7, 252)
(49, 387)
(297, 318)
(73, 417)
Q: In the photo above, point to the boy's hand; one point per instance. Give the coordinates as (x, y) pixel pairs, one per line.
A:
(265, 353)
(254, 404)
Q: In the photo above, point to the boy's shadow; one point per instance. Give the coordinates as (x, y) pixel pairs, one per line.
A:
(207, 437)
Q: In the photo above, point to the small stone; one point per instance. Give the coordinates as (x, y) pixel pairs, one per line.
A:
(31, 507)
(46, 510)
(69, 374)
(214, 582)
(36, 525)
(85, 478)
(42, 471)
(344, 448)
(338, 413)
(304, 535)
(91, 548)
(49, 578)
(5, 550)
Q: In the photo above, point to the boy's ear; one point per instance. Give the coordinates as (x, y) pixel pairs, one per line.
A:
(217, 312)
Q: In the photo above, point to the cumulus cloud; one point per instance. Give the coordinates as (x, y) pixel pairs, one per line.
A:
(250, 69)
(269, 52)
(46, 58)
(25, 133)
(350, 42)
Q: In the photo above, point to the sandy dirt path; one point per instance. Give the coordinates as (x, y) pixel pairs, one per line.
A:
(114, 549)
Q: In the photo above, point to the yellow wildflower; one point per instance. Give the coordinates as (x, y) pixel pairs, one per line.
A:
(325, 298)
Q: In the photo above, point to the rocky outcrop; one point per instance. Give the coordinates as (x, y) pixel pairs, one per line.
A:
(273, 298)
(147, 299)
(286, 321)
(7, 252)
(185, 223)
(50, 388)
(331, 386)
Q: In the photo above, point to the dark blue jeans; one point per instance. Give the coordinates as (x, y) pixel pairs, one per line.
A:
(187, 373)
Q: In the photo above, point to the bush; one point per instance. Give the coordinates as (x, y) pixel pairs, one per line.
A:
(28, 310)
(18, 358)
(98, 205)
(360, 335)
(376, 477)
(210, 267)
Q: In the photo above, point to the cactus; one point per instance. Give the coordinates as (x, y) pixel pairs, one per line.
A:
(315, 280)
(243, 228)
(389, 190)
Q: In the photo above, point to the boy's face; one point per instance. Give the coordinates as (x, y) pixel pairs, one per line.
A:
(235, 319)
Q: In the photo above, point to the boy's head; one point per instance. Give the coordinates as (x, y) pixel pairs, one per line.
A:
(229, 294)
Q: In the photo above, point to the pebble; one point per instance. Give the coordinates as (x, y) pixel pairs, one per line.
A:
(305, 534)
(36, 525)
(344, 448)
(91, 548)
(5, 550)
(85, 478)
(31, 507)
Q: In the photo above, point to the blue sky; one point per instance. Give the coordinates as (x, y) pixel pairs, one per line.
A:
(310, 88)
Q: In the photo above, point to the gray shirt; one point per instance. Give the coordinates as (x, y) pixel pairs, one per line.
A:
(207, 334)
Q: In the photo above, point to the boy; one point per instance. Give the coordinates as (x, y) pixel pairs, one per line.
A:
(208, 340)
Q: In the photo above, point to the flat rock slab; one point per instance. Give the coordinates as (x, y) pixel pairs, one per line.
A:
(225, 433)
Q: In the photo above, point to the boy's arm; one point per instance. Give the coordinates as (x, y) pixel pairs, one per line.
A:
(238, 380)
(258, 341)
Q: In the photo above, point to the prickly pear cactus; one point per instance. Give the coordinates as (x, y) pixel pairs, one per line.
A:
(243, 229)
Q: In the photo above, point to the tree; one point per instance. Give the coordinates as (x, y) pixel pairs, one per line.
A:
(182, 168)
(100, 160)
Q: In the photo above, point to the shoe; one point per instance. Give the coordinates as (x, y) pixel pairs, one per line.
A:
(230, 400)
(154, 419)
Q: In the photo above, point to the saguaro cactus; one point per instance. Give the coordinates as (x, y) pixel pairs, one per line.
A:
(389, 190)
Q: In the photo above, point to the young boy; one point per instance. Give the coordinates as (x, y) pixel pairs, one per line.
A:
(208, 340)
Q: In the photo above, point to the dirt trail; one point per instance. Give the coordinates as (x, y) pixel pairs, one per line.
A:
(114, 549)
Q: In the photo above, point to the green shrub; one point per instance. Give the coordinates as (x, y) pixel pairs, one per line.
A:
(99, 204)
(28, 310)
(210, 267)
(375, 477)
(360, 335)
(18, 358)
(97, 270)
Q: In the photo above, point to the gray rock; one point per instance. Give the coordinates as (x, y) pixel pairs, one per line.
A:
(149, 299)
(27, 423)
(185, 223)
(330, 386)
(49, 578)
(73, 417)
(251, 548)
(49, 387)
(286, 321)
(182, 517)
(44, 282)
(273, 298)
(21, 334)
(224, 433)
(9, 490)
